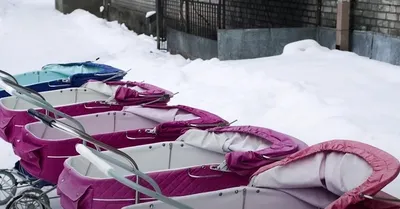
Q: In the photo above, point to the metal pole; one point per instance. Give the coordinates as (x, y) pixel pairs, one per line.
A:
(158, 22)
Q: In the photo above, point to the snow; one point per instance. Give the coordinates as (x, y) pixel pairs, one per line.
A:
(150, 13)
(309, 92)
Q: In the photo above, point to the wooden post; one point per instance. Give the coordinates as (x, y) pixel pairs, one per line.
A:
(343, 25)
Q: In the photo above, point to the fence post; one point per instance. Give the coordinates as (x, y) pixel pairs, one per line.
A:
(219, 16)
(158, 22)
(223, 14)
(319, 13)
(343, 25)
(187, 17)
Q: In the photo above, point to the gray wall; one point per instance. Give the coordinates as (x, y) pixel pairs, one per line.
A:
(68, 6)
(252, 43)
(369, 44)
(133, 19)
(130, 12)
(191, 46)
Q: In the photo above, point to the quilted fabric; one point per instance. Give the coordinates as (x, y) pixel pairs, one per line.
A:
(172, 183)
(33, 151)
(246, 163)
(13, 121)
(385, 169)
(126, 95)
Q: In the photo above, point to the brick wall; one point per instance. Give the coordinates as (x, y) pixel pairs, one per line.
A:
(271, 13)
(367, 15)
(328, 13)
(379, 16)
(141, 6)
(371, 15)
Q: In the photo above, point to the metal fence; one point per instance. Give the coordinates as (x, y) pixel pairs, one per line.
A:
(204, 17)
(197, 17)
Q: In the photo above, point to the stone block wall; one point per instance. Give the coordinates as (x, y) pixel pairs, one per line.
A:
(328, 13)
(377, 16)
(271, 13)
(381, 16)
(141, 6)
(366, 15)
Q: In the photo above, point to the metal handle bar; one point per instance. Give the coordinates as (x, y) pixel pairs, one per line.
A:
(122, 73)
(26, 94)
(9, 75)
(53, 123)
(98, 159)
(30, 91)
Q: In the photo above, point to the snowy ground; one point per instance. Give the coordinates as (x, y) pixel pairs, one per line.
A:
(314, 94)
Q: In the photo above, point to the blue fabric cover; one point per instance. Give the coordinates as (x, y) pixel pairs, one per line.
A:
(60, 76)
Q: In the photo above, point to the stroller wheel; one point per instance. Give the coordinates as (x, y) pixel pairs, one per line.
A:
(26, 201)
(30, 199)
(8, 187)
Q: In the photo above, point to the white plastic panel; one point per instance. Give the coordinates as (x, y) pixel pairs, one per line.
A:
(148, 159)
(87, 95)
(100, 123)
(187, 155)
(269, 198)
(55, 98)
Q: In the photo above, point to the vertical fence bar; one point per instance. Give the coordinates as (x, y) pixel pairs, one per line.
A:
(187, 16)
(318, 13)
(219, 14)
(201, 20)
(158, 23)
(206, 8)
(223, 14)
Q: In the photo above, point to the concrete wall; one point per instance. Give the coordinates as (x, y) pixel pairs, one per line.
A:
(133, 14)
(68, 6)
(130, 12)
(369, 44)
(134, 20)
(252, 43)
(191, 46)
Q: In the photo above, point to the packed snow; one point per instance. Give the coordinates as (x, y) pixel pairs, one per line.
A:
(309, 92)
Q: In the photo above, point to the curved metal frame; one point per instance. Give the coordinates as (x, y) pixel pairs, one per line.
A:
(54, 123)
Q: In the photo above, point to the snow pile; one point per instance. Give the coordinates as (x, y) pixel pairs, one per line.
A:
(307, 45)
(310, 92)
(5, 6)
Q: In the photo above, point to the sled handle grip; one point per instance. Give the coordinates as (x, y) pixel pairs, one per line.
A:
(93, 158)
(9, 75)
(100, 161)
(38, 100)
